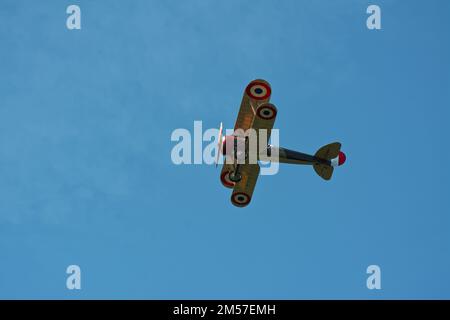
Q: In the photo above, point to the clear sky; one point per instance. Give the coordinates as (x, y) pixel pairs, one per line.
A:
(86, 176)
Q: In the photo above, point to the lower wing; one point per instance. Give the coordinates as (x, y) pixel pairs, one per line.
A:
(243, 190)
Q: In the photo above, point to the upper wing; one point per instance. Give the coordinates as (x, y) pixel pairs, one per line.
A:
(243, 190)
(264, 119)
(256, 112)
(257, 92)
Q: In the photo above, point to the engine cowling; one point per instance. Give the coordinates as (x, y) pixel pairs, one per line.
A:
(234, 146)
(227, 140)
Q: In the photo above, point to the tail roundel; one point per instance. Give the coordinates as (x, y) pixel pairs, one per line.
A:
(330, 152)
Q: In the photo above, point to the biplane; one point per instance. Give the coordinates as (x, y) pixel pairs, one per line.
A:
(258, 114)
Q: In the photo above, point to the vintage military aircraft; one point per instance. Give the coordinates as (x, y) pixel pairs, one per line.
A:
(257, 113)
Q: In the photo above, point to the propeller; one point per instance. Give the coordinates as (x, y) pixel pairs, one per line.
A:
(219, 144)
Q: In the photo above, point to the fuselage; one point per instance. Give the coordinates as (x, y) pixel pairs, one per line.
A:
(239, 150)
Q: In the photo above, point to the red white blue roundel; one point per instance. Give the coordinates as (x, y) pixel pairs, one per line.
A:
(266, 111)
(225, 178)
(258, 90)
(240, 199)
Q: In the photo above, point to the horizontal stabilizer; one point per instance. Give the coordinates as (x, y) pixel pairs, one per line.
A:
(323, 170)
(328, 152)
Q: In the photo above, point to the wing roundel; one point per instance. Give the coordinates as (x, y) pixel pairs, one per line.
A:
(258, 90)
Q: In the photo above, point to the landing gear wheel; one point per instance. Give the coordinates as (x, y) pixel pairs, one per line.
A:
(235, 177)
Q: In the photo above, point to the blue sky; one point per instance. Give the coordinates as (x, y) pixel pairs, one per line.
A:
(86, 176)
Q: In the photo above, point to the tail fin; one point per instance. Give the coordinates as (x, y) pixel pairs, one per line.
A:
(328, 152)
